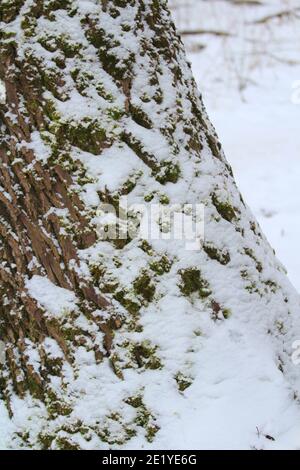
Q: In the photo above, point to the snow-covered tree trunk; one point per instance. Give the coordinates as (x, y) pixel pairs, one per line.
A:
(104, 340)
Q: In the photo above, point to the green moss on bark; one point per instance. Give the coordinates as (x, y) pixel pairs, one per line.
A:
(222, 256)
(144, 286)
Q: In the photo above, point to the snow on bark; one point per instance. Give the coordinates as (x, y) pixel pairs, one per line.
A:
(106, 339)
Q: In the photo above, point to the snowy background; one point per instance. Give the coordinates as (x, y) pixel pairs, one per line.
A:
(245, 56)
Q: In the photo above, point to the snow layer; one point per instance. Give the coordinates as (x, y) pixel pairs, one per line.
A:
(253, 77)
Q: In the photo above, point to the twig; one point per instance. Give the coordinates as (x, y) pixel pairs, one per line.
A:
(279, 14)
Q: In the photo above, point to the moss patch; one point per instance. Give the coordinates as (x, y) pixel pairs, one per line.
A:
(128, 301)
(144, 354)
(146, 247)
(134, 355)
(169, 172)
(192, 282)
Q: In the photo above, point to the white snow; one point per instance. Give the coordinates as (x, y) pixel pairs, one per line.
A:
(54, 299)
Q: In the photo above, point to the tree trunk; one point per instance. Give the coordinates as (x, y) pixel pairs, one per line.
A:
(100, 103)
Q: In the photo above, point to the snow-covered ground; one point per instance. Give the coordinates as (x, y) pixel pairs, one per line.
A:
(249, 85)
